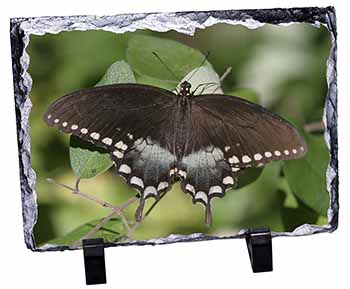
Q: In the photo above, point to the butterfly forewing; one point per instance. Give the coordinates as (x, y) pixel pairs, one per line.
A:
(247, 134)
(110, 112)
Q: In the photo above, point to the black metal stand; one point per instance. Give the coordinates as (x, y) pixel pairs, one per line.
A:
(259, 245)
(94, 260)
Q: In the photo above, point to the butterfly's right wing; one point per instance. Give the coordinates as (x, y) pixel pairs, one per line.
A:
(230, 134)
(127, 120)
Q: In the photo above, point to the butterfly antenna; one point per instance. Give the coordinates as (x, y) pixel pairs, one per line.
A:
(200, 65)
(166, 66)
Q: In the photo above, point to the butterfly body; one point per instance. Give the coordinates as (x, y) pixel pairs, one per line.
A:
(156, 137)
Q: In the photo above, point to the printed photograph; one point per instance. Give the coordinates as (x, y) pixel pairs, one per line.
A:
(143, 135)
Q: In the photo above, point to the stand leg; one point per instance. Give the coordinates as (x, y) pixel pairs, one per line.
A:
(94, 260)
(259, 243)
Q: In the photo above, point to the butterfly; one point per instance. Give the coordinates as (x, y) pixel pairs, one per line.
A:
(156, 137)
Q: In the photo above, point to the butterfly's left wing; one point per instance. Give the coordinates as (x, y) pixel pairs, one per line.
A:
(230, 134)
(128, 120)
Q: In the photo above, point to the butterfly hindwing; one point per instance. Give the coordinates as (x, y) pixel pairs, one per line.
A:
(147, 167)
(206, 175)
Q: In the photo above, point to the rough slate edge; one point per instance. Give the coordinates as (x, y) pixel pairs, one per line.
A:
(183, 22)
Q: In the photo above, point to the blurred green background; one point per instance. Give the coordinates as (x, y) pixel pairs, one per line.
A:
(281, 68)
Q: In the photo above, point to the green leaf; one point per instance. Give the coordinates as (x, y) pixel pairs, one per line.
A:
(248, 177)
(86, 159)
(322, 220)
(180, 58)
(295, 217)
(307, 176)
(110, 232)
(254, 205)
(118, 72)
(291, 200)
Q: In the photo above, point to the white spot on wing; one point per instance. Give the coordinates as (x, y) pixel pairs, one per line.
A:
(162, 186)
(258, 157)
(294, 151)
(137, 181)
(49, 116)
(95, 135)
(286, 152)
(233, 160)
(235, 169)
(64, 124)
(119, 145)
(125, 169)
(171, 172)
(118, 154)
(228, 180)
(182, 174)
(74, 127)
(277, 153)
(201, 196)
(215, 190)
(268, 154)
(150, 190)
(130, 136)
(56, 120)
(227, 148)
(107, 141)
(190, 188)
(84, 130)
(246, 159)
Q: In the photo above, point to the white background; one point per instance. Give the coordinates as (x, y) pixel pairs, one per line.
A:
(320, 261)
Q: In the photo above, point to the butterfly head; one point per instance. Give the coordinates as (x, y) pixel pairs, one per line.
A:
(185, 89)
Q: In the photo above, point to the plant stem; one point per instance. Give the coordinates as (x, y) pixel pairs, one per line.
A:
(96, 228)
(116, 210)
(314, 127)
(84, 195)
